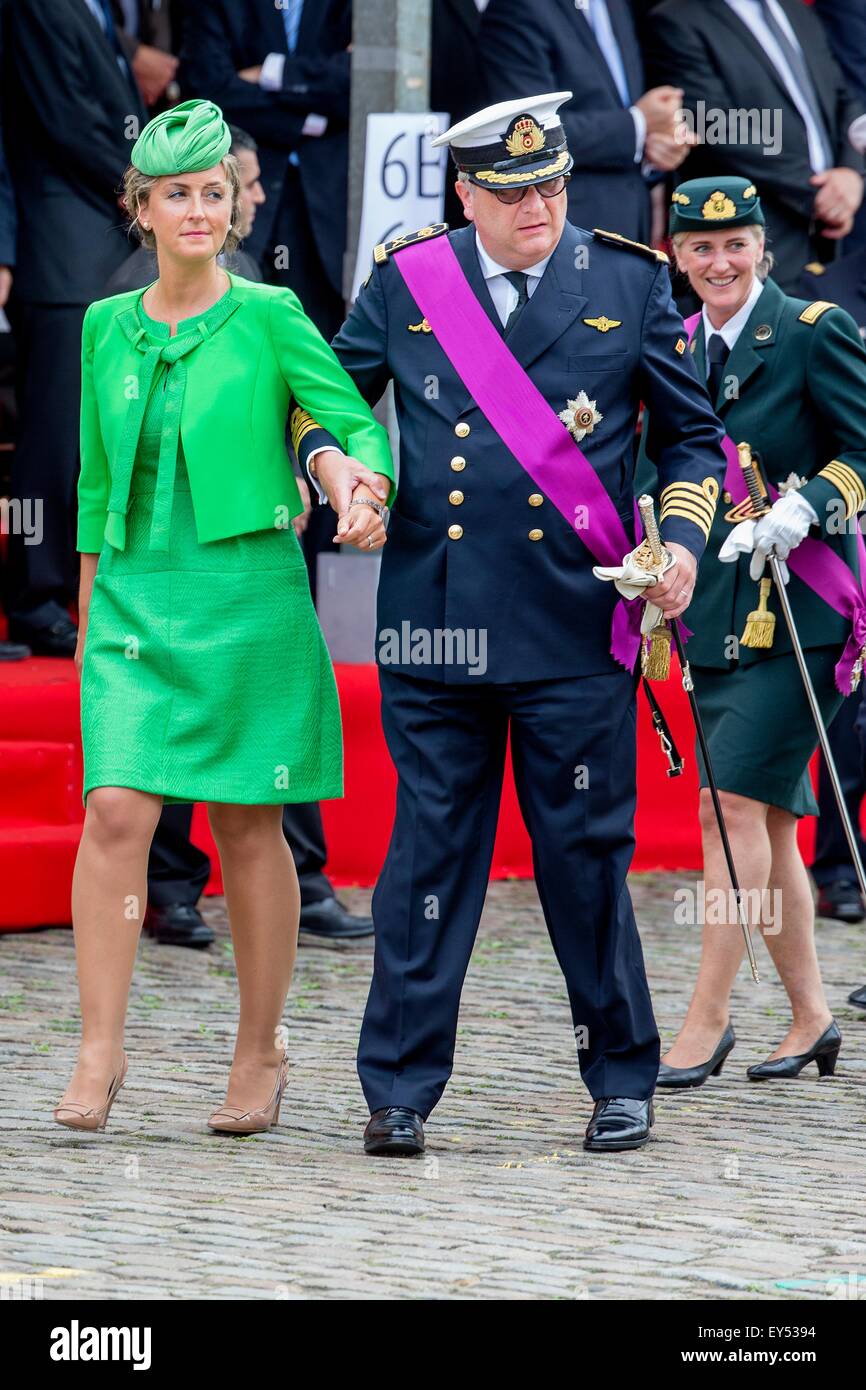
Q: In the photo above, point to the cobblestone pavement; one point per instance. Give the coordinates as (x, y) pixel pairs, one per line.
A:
(744, 1190)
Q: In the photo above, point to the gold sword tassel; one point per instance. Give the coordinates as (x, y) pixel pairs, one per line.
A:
(655, 656)
(760, 626)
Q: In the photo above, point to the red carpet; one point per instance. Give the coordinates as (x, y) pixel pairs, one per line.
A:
(41, 811)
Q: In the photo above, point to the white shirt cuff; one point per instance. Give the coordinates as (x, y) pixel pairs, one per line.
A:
(315, 125)
(323, 496)
(271, 75)
(639, 132)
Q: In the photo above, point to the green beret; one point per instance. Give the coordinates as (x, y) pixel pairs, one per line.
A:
(190, 137)
(702, 205)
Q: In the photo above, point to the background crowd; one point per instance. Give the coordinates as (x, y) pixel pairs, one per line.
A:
(79, 78)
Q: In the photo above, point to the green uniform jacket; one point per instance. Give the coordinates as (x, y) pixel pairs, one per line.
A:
(240, 387)
(799, 371)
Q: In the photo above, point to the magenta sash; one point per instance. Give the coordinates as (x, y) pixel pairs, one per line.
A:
(520, 415)
(813, 562)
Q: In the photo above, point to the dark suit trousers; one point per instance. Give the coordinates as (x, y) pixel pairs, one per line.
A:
(177, 871)
(45, 467)
(448, 744)
(832, 857)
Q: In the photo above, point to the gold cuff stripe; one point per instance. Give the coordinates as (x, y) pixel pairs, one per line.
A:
(813, 312)
(302, 424)
(703, 512)
(843, 477)
(686, 514)
(676, 493)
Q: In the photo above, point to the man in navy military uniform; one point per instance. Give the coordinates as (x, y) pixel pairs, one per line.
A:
(490, 619)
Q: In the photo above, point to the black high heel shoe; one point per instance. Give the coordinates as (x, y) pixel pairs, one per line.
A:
(678, 1078)
(824, 1052)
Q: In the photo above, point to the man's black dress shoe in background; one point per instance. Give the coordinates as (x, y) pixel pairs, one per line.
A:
(47, 630)
(14, 651)
(618, 1122)
(330, 920)
(679, 1078)
(178, 924)
(394, 1130)
(841, 901)
(857, 997)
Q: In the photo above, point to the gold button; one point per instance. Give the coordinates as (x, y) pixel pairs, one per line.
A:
(455, 532)
(535, 535)
(726, 496)
(461, 430)
(458, 463)
(535, 499)
(455, 498)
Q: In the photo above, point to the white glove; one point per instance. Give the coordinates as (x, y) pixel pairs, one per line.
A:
(781, 530)
(633, 575)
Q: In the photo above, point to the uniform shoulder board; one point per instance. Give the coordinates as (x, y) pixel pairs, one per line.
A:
(387, 248)
(813, 312)
(614, 239)
(815, 268)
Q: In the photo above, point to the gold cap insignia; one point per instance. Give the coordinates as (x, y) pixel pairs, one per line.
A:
(526, 137)
(603, 324)
(718, 206)
(750, 192)
(680, 198)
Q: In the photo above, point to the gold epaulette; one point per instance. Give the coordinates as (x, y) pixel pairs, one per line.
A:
(615, 239)
(846, 481)
(387, 248)
(302, 424)
(695, 502)
(815, 268)
(813, 312)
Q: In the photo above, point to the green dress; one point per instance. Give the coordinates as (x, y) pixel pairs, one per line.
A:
(205, 676)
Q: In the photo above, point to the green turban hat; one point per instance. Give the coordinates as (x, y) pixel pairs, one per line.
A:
(190, 137)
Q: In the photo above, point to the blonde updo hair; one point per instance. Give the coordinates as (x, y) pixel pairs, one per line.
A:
(765, 264)
(137, 188)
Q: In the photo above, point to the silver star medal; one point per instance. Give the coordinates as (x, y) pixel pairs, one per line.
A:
(580, 416)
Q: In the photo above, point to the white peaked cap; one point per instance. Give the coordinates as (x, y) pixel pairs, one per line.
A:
(487, 127)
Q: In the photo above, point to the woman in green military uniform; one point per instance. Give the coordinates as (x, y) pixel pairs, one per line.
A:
(788, 378)
(204, 671)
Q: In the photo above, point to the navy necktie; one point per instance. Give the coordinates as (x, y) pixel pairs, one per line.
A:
(803, 78)
(520, 280)
(717, 356)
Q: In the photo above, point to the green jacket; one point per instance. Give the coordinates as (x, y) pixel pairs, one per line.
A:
(799, 374)
(240, 385)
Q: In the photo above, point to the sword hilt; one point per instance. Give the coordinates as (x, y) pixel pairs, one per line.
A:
(758, 498)
(646, 507)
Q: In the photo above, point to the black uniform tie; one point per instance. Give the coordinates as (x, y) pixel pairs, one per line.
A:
(717, 356)
(520, 280)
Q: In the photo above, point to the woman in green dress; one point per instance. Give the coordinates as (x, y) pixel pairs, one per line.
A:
(788, 378)
(204, 673)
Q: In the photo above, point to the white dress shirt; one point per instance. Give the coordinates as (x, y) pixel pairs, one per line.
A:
(731, 331)
(750, 13)
(502, 292)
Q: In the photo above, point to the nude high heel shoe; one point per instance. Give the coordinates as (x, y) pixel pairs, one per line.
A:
(76, 1116)
(229, 1119)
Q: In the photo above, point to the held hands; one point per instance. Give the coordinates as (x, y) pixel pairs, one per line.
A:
(839, 195)
(673, 593)
(346, 480)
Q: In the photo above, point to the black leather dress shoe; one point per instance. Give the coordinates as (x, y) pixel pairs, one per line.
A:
(678, 1078)
(840, 900)
(331, 920)
(394, 1130)
(14, 651)
(857, 997)
(824, 1052)
(619, 1122)
(47, 631)
(178, 924)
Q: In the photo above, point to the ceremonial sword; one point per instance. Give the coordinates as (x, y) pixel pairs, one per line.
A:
(761, 505)
(651, 531)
